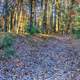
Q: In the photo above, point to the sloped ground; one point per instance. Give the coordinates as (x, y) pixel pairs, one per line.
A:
(41, 58)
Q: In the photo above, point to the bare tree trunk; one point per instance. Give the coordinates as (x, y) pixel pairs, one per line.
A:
(5, 15)
(51, 18)
(31, 15)
(55, 16)
(45, 18)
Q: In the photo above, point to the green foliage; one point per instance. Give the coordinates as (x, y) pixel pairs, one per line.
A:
(76, 33)
(78, 18)
(76, 27)
(32, 31)
(6, 42)
(78, 9)
(9, 52)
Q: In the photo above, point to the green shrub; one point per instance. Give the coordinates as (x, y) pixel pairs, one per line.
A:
(78, 9)
(9, 52)
(77, 18)
(31, 31)
(6, 42)
(76, 33)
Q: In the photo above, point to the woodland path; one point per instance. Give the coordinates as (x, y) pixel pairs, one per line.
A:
(41, 58)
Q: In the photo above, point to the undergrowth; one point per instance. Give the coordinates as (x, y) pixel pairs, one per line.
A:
(6, 42)
(76, 33)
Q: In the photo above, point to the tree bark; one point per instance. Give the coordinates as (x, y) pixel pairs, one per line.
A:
(45, 18)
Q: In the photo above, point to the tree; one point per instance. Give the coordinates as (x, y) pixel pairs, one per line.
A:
(7, 7)
(32, 25)
(58, 15)
(45, 17)
(51, 17)
(6, 14)
(54, 16)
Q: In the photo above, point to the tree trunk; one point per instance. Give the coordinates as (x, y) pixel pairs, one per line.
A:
(55, 17)
(51, 18)
(31, 15)
(45, 18)
(5, 15)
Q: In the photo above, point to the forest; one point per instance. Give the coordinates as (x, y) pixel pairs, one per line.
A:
(39, 39)
(40, 16)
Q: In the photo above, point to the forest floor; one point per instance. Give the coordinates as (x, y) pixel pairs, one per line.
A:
(43, 58)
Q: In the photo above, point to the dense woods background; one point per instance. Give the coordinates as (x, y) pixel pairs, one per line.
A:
(40, 16)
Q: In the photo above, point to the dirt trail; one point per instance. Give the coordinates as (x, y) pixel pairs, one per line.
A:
(41, 58)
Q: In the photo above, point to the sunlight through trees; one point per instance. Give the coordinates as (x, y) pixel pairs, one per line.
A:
(42, 16)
